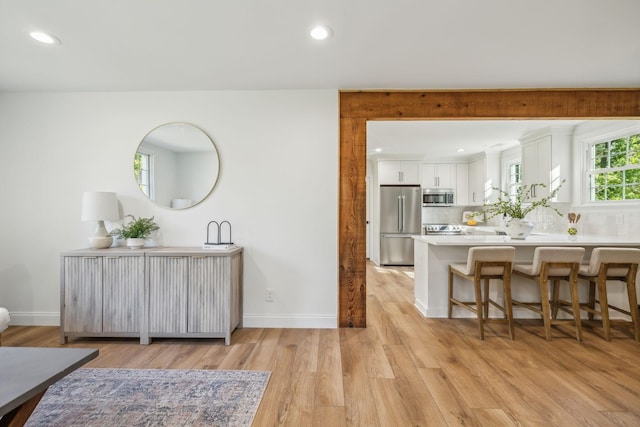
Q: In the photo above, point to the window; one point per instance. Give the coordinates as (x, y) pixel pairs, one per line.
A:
(142, 172)
(514, 178)
(614, 169)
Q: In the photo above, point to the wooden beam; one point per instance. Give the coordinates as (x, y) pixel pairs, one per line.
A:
(356, 107)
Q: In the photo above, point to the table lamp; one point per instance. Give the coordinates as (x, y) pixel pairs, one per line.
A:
(100, 206)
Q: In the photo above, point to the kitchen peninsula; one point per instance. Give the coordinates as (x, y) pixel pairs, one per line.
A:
(433, 254)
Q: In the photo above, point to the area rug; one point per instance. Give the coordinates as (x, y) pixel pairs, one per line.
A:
(152, 397)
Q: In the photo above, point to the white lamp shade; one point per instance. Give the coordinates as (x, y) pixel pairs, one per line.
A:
(99, 206)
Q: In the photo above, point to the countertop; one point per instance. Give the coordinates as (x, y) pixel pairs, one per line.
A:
(532, 240)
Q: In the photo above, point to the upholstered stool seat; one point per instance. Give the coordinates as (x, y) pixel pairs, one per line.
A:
(483, 264)
(558, 264)
(612, 264)
(4, 321)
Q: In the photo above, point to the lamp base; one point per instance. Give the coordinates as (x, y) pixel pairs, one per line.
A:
(100, 242)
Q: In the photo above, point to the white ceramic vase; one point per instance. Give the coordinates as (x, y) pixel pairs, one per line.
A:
(518, 228)
(135, 243)
(573, 230)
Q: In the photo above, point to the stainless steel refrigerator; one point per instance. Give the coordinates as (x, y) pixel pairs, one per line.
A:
(400, 218)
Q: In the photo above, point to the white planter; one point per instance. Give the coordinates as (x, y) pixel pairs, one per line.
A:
(136, 243)
(518, 228)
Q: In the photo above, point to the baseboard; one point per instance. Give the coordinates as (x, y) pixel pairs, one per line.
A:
(249, 321)
(292, 321)
(19, 318)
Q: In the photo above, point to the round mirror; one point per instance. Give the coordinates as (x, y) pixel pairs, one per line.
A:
(176, 165)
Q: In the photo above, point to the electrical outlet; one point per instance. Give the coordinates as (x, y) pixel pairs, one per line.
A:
(268, 296)
(619, 219)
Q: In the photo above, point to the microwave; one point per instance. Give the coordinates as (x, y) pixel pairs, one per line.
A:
(437, 197)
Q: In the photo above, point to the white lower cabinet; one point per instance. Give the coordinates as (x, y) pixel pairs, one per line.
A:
(164, 292)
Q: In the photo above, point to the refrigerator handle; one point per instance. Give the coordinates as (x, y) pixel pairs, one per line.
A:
(402, 229)
(399, 214)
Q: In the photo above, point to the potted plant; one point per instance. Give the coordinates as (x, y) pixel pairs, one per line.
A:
(136, 231)
(515, 209)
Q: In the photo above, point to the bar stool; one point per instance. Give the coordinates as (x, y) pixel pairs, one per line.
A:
(556, 264)
(485, 263)
(612, 264)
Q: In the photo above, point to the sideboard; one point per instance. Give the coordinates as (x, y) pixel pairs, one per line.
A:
(151, 293)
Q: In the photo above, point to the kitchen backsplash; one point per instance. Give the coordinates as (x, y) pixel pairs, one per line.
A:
(600, 221)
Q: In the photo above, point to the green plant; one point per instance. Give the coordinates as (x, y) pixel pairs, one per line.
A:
(520, 205)
(137, 228)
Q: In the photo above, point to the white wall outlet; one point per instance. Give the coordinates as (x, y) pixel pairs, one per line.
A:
(619, 219)
(268, 295)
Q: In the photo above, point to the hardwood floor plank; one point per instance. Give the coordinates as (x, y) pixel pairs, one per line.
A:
(275, 404)
(449, 402)
(390, 405)
(329, 390)
(493, 418)
(624, 419)
(418, 403)
(360, 407)
(333, 416)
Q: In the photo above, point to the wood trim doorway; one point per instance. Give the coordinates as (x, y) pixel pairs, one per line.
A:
(357, 107)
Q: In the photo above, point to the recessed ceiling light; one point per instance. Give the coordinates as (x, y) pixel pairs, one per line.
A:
(45, 38)
(378, 150)
(321, 32)
(460, 150)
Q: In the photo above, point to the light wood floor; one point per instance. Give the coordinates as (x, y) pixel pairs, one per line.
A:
(404, 370)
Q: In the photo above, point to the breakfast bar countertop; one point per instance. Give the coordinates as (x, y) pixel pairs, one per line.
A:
(531, 240)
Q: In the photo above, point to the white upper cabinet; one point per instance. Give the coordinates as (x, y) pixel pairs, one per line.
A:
(462, 183)
(438, 175)
(477, 179)
(398, 172)
(546, 159)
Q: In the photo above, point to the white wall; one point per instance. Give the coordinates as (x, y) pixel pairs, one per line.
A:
(278, 186)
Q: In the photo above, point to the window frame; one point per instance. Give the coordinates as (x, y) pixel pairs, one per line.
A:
(150, 175)
(586, 145)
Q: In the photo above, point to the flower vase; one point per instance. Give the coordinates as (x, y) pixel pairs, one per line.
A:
(518, 228)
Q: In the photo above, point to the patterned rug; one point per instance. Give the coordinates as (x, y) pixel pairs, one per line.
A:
(152, 397)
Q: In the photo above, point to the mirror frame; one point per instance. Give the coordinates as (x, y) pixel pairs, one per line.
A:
(215, 150)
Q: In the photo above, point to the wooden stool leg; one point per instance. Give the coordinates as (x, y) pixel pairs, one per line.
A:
(575, 304)
(604, 307)
(450, 292)
(556, 297)
(508, 309)
(478, 291)
(592, 299)
(546, 310)
(633, 306)
(485, 303)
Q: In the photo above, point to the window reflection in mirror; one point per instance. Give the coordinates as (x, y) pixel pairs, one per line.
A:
(176, 165)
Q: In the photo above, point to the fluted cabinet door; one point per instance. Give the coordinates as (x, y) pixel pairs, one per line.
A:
(208, 294)
(123, 283)
(83, 294)
(168, 280)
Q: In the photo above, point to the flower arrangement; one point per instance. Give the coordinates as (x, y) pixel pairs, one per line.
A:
(137, 228)
(522, 204)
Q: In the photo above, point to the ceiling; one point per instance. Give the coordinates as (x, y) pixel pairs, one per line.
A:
(122, 45)
(163, 45)
(441, 140)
